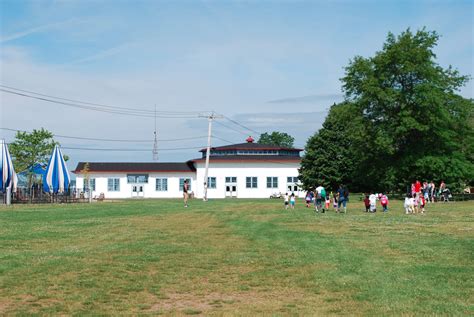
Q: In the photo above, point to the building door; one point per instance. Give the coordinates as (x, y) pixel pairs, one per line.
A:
(137, 191)
(293, 186)
(231, 187)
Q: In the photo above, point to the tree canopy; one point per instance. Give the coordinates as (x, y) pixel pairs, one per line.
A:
(277, 138)
(30, 148)
(402, 120)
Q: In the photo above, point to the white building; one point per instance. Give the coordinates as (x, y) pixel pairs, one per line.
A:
(246, 170)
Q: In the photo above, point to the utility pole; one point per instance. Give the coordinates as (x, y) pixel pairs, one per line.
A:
(155, 143)
(210, 118)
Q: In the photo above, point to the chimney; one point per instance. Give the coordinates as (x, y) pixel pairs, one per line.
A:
(249, 139)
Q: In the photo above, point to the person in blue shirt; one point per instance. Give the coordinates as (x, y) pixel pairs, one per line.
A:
(342, 198)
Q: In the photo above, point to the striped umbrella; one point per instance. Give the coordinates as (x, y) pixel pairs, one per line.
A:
(7, 172)
(56, 177)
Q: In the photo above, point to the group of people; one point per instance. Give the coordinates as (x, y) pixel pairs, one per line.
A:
(321, 199)
(370, 202)
(421, 194)
(428, 191)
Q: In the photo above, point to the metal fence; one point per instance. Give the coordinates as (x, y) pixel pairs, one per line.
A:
(438, 198)
(35, 195)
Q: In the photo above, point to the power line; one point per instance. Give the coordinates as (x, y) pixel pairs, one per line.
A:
(128, 150)
(114, 140)
(219, 138)
(122, 112)
(98, 104)
(231, 128)
(241, 125)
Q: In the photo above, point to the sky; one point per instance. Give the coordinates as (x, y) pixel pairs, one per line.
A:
(268, 65)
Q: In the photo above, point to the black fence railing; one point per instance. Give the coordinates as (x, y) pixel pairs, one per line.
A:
(35, 195)
(437, 198)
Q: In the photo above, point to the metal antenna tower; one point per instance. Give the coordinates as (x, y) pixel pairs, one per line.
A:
(155, 143)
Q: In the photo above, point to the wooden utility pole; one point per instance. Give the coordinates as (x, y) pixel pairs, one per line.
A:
(210, 118)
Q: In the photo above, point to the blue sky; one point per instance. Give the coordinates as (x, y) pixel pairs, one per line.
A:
(271, 65)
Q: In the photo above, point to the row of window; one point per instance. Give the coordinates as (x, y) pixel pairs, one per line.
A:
(252, 152)
(113, 184)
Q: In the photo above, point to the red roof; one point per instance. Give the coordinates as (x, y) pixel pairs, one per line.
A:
(129, 167)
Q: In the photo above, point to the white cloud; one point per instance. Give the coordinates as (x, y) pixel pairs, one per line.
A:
(37, 29)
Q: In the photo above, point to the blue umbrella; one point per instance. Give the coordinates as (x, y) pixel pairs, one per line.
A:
(9, 178)
(56, 177)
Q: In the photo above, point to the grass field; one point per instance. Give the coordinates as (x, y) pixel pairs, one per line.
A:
(240, 257)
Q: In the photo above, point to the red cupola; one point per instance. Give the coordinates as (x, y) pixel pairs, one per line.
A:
(249, 139)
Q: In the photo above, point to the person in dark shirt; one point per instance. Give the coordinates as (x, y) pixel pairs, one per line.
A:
(343, 197)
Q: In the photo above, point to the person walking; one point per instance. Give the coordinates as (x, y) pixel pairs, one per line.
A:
(384, 202)
(367, 203)
(292, 200)
(342, 198)
(433, 192)
(417, 189)
(373, 202)
(185, 193)
(320, 197)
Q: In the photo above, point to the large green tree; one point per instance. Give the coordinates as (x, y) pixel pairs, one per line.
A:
(30, 148)
(415, 124)
(331, 154)
(277, 138)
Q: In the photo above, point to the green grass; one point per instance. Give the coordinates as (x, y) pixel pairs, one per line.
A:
(240, 257)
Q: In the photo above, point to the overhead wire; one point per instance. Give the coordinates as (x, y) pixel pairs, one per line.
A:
(241, 125)
(231, 128)
(127, 150)
(115, 140)
(123, 111)
(98, 104)
(94, 108)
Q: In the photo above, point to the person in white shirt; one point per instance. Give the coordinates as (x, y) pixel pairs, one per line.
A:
(286, 198)
(409, 204)
(373, 202)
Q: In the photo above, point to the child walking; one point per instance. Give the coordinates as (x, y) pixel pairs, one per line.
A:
(384, 202)
(367, 203)
(373, 202)
(286, 199)
(328, 202)
(422, 203)
(409, 204)
(292, 200)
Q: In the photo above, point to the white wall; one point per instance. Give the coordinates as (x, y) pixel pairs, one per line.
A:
(149, 189)
(241, 170)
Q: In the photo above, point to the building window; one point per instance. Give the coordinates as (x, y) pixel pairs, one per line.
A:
(251, 182)
(86, 186)
(292, 179)
(161, 185)
(137, 178)
(231, 179)
(211, 182)
(272, 182)
(181, 184)
(113, 184)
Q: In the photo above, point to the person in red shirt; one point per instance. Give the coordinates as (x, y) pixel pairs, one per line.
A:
(417, 186)
(367, 203)
(417, 189)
